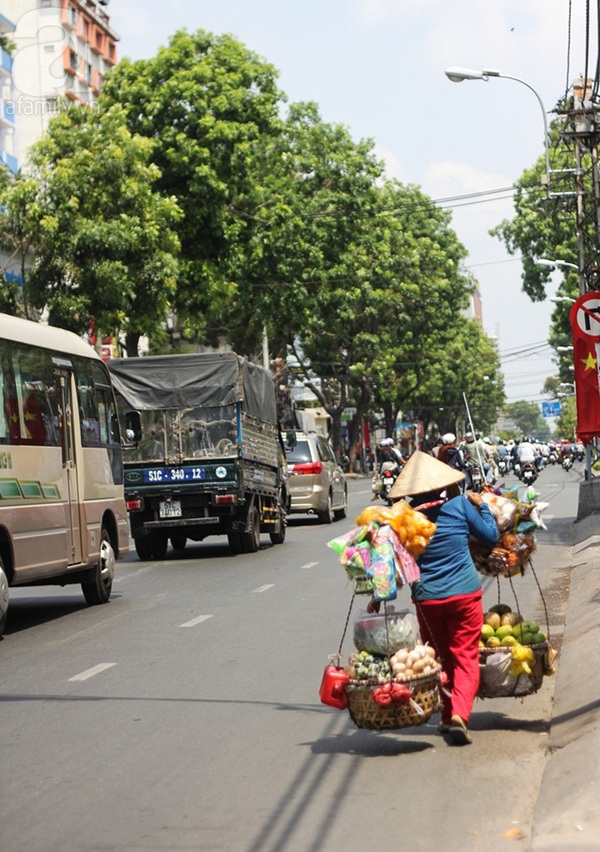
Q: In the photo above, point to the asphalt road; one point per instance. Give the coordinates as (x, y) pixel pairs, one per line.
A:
(184, 714)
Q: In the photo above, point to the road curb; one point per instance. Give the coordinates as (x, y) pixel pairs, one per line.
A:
(567, 814)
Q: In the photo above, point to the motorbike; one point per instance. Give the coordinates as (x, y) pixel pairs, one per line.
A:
(517, 468)
(567, 463)
(552, 457)
(475, 478)
(528, 473)
(384, 479)
(502, 467)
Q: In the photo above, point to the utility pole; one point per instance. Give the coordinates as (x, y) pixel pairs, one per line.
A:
(583, 132)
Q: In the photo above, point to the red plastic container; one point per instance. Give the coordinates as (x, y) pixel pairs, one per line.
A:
(333, 687)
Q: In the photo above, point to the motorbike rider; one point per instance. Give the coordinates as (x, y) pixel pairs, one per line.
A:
(476, 452)
(389, 452)
(526, 452)
(388, 455)
(502, 456)
(449, 453)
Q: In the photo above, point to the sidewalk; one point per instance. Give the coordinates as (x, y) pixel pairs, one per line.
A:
(567, 813)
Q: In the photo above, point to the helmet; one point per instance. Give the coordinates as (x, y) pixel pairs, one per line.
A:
(386, 442)
(448, 438)
(487, 440)
(469, 437)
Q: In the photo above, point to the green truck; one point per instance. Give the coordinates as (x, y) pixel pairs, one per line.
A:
(203, 452)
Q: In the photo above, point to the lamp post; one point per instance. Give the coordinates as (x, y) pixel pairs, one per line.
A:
(457, 74)
(544, 261)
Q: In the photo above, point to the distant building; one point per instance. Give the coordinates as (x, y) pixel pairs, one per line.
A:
(7, 98)
(63, 48)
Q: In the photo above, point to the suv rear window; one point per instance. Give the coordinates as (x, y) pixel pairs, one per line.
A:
(298, 454)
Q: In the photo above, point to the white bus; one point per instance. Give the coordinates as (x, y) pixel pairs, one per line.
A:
(62, 511)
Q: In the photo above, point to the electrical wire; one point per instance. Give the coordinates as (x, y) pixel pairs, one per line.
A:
(569, 21)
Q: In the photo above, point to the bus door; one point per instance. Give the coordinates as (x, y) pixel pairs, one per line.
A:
(69, 458)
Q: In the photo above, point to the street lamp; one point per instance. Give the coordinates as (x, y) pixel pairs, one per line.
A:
(543, 261)
(558, 299)
(457, 74)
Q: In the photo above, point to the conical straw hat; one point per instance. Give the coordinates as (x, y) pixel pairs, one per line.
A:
(423, 473)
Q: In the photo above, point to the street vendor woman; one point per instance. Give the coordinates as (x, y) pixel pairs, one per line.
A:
(448, 596)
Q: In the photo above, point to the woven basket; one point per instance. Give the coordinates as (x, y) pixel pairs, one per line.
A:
(518, 686)
(365, 713)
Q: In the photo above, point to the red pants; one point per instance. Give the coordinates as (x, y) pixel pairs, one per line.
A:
(453, 627)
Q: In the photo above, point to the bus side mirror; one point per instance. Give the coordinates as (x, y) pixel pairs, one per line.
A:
(133, 427)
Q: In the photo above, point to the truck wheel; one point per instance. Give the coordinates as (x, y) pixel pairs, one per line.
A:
(143, 548)
(235, 542)
(279, 536)
(178, 542)
(251, 538)
(159, 546)
(3, 597)
(326, 517)
(97, 589)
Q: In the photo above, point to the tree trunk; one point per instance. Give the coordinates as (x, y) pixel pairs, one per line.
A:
(132, 341)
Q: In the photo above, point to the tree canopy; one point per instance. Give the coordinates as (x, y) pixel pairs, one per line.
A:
(191, 192)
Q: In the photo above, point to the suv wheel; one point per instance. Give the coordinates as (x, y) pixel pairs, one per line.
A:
(326, 517)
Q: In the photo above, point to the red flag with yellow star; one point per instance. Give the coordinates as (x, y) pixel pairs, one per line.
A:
(585, 323)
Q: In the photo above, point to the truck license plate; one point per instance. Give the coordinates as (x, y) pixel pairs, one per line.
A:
(170, 509)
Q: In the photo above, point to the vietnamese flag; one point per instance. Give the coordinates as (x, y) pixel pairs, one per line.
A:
(585, 323)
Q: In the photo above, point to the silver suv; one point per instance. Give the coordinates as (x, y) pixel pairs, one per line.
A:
(316, 481)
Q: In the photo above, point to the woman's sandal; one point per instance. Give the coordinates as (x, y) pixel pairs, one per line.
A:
(458, 731)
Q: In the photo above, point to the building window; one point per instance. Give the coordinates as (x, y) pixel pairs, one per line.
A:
(73, 61)
(72, 11)
(88, 73)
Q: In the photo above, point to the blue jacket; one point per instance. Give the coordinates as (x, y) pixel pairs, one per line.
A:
(447, 567)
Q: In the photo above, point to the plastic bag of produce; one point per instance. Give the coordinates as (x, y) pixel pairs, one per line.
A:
(503, 509)
(496, 681)
(385, 633)
(383, 571)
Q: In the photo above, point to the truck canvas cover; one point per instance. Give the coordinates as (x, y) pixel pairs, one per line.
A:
(201, 379)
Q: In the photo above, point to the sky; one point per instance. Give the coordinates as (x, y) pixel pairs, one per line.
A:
(377, 67)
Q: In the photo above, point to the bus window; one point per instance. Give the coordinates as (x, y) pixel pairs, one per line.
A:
(34, 407)
(9, 418)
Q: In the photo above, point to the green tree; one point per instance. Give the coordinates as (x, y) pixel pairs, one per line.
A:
(566, 424)
(207, 104)
(527, 418)
(393, 286)
(105, 251)
(545, 227)
(465, 365)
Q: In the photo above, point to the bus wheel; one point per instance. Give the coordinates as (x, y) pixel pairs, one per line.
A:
(178, 542)
(97, 590)
(143, 548)
(251, 538)
(3, 597)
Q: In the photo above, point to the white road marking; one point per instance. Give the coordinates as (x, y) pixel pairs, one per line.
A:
(263, 588)
(93, 671)
(194, 621)
(309, 565)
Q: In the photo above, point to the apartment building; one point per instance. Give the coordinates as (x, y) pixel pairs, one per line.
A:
(7, 96)
(63, 49)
